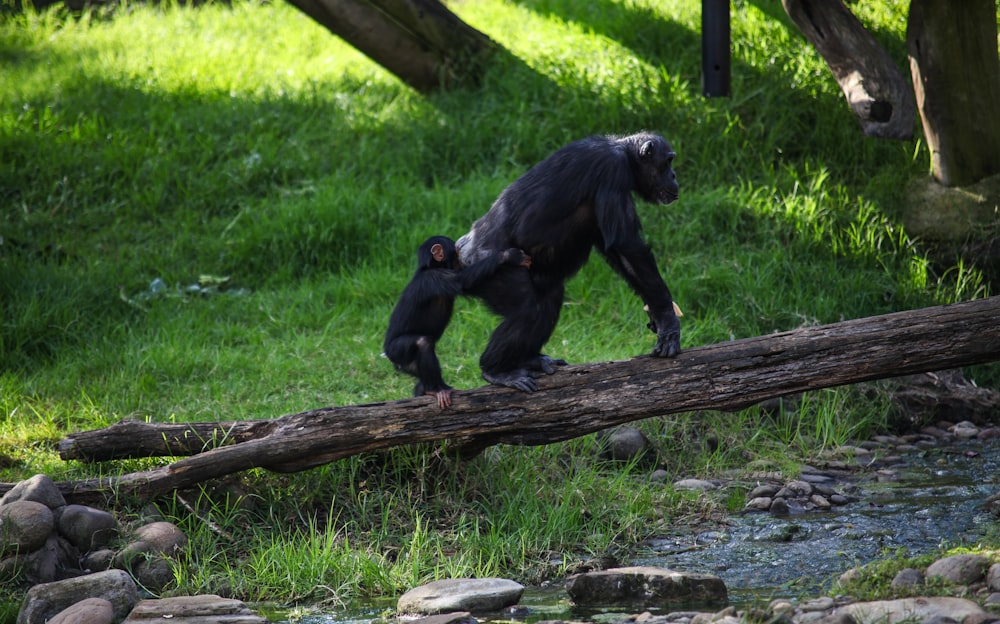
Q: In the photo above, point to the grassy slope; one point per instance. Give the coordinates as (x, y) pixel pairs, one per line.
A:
(246, 142)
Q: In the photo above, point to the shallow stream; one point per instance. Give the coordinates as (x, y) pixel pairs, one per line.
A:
(932, 498)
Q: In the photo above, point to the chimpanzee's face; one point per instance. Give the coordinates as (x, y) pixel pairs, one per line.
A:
(656, 180)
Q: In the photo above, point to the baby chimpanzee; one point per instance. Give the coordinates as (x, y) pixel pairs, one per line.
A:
(424, 310)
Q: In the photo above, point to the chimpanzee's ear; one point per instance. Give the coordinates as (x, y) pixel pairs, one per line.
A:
(646, 149)
(437, 252)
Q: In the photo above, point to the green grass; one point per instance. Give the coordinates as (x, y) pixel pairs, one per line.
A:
(244, 142)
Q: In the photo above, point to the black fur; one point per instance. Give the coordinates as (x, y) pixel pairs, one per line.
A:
(425, 307)
(577, 199)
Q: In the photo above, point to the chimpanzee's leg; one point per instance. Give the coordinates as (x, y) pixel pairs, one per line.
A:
(531, 311)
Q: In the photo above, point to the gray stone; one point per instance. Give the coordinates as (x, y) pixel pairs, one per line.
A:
(760, 503)
(795, 489)
(907, 577)
(910, 609)
(87, 611)
(645, 585)
(779, 507)
(154, 574)
(44, 601)
(694, 484)
(624, 444)
(98, 560)
(39, 489)
(203, 609)
(461, 594)
(457, 617)
(819, 501)
(766, 490)
(156, 538)
(48, 562)
(959, 569)
(993, 578)
(24, 526)
(87, 528)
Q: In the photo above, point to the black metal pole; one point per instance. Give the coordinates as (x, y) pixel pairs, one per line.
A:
(715, 53)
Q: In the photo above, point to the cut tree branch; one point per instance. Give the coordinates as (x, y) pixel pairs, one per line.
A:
(582, 399)
(875, 87)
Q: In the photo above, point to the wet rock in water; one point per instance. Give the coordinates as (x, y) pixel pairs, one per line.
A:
(646, 586)
(87, 611)
(44, 601)
(910, 610)
(457, 617)
(779, 507)
(474, 595)
(959, 569)
(203, 609)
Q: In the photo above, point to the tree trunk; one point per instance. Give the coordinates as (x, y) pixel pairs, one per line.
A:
(420, 41)
(875, 87)
(956, 76)
(586, 398)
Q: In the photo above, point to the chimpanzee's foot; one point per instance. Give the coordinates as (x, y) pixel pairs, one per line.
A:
(519, 378)
(545, 364)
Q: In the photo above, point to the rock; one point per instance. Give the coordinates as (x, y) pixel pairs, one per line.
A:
(156, 538)
(154, 574)
(659, 475)
(910, 610)
(87, 611)
(959, 569)
(993, 578)
(87, 528)
(820, 502)
(46, 600)
(38, 489)
(779, 507)
(458, 617)
(759, 503)
(766, 490)
(98, 560)
(624, 444)
(907, 577)
(823, 603)
(647, 586)
(204, 609)
(50, 562)
(694, 484)
(24, 526)
(461, 594)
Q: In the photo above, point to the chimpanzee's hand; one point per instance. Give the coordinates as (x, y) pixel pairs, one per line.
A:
(668, 335)
(516, 257)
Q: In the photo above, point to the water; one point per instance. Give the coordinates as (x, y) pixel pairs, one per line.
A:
(934, 498)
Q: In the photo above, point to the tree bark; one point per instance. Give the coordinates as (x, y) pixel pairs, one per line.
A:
(875, 87)
(420, 41)
(956, 76)
(586, 398)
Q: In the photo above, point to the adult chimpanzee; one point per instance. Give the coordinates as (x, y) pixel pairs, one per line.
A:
(578, 198)
(424, 309)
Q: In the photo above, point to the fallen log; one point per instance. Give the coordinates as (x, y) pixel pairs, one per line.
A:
(585, 398)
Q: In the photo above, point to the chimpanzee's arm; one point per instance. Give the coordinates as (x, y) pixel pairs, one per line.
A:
(634, 261)
(474, 275)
